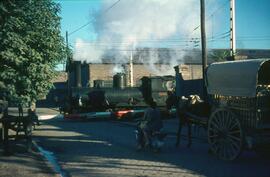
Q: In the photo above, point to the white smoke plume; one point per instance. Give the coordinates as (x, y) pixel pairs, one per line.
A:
(87, 52)
(118, 69)
(133, 24)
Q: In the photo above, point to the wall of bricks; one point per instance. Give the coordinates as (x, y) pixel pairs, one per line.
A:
(105, 71)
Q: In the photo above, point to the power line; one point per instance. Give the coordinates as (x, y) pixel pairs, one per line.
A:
(109, 8)
(170, 42)
(218, 39)
(194, 40)
(211, 15)
(152, 50)
(220, 7)
(81, 27)
(173, 41)
(262, 39)
(254, 36)
(221, 34)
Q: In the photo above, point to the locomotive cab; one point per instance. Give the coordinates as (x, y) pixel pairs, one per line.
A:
(157, 88)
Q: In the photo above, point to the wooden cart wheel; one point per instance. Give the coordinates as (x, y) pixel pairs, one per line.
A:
(225, 134)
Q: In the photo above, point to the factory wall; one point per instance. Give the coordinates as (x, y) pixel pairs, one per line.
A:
(105, 72)
(91, 72)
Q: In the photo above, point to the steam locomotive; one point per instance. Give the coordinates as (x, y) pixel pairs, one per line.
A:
(101, 98)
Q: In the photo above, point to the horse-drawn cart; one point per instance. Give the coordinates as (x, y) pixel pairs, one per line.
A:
(19, 124)
(238, 93)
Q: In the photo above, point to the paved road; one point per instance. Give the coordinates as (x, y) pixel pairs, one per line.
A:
(107, 148)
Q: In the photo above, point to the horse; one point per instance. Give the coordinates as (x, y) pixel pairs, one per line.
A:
(190, 110)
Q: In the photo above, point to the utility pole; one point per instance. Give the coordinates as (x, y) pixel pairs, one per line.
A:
(68, 65)
(203, 43)
(232, 29)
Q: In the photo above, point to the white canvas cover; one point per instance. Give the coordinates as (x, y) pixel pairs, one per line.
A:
(234, 78)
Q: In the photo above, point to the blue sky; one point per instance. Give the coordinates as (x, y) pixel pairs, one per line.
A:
(252, 21)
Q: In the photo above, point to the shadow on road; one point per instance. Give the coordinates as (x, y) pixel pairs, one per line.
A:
(102, 148)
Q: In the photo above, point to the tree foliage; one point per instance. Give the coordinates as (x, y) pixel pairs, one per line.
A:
(30, 47)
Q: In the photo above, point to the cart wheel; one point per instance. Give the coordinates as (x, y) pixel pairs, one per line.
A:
(225, 134)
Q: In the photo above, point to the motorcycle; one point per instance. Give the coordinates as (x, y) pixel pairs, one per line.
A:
(156, 140)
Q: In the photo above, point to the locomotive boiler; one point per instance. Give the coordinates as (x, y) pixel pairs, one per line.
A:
(101, 98)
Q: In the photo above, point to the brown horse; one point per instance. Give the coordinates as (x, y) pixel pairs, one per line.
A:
(191, 110)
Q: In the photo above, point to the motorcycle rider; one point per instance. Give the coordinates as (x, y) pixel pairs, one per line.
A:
(151, 122)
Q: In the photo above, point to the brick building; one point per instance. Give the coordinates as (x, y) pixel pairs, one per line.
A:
(189, 64)
(189, 61)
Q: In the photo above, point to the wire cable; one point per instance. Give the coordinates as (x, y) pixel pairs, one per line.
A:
(215, 11)
(81, 27)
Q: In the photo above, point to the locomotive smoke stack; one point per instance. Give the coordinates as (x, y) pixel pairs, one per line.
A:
(119, 81)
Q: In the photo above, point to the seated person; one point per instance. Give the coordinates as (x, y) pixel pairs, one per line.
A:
(150, 123)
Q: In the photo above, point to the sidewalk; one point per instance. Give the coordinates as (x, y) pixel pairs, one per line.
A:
(22, 163)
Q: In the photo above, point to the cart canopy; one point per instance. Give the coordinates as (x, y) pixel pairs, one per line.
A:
(237, 78)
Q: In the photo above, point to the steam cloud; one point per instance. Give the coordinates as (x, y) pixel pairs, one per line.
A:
(135, 24)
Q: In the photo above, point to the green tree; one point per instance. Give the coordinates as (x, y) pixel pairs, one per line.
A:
(30, 47)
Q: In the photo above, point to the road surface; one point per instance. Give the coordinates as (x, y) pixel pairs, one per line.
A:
(107, 148)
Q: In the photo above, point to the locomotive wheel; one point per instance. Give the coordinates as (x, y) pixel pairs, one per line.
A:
(225, 135)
